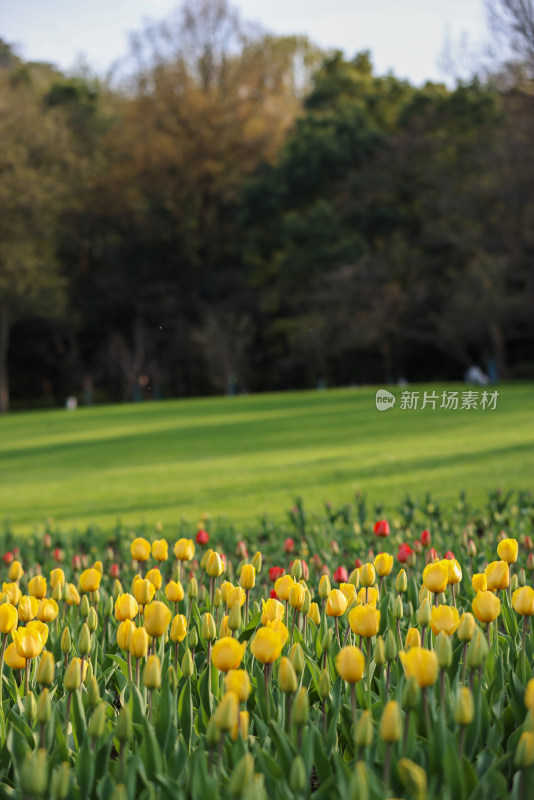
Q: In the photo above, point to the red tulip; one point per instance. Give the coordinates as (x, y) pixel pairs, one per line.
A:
(425, 538)
(8, 557)
(404, 552)
(528, 543)
(241, 550)
(289, 546)
(341, 575)
(202, 537)
(273, 594)
(418, 547)
(450, 555)
(431, 556)
(76, 563)
(358, 563)
(114, 571)
(305, 570)
(275, 573)
(530, 561)
(317, 563)
(381, 528)
(58, 555)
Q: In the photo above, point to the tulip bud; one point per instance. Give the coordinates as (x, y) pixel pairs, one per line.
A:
(192, 589)
(93, 692)
(414, 778)
(521, 577)
(324, 685)
(204, 559)
(84, 606)
(209, 631)
(123, 729)
(354, 578)
(397, 608)
(530, 561)
(296, 570)
(306, 605)
(30, 708)
(401, 583)
(287, 677)
(120, 792)
(297, 658)
(324, 587)
(46, 669)
(60, 782)
(391, 722)
(410, 694)
(443, 650)
(367, 575)
(234, 617)
(359, 783)
(391, 647)
(465, 708)
(193, 638)
(217, 598)
(242, 776)
(298, 778)
(152, 673)
(117, 589)
(97, 723)
(380, 652)
(301, 708)
(363, 735)
(226, 712)
(72, 679)
(514, 582)
(257, 562)
(66, 642)
(424, 613)
(187, 665)
(467, 626)
(524, 754)
(44, 707)
(471, 548)
(57, 592)
(477, 650)
(92, 620)
(34, 773)
(84, 640)
(328, 638)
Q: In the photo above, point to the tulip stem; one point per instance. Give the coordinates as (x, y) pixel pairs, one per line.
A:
(423, 634)
(137, 672)
(337, 630)
(426, 712)
(129, 660)
(288, 713)
(27, 677)
(67, 715)
(246, 607)
(461, 742)
(352, 701)
(4, 643)
(346, 636)
(212, 585)
(324, 716)
(464, 661)
(453, 595)
(525, 621)
(442, 689)
(387, 765)
(406, 729)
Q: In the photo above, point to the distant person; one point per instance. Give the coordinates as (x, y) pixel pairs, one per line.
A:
(475, 375)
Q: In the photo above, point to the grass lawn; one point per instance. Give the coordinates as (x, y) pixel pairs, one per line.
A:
(241, 456)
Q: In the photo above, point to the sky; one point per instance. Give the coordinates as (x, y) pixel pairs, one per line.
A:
(405, 36)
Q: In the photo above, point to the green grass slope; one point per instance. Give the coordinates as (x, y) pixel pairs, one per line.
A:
(243, 456)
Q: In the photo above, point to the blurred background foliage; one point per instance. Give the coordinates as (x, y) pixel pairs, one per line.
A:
(243, 212)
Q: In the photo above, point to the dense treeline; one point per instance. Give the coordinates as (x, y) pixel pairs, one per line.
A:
(246, 212)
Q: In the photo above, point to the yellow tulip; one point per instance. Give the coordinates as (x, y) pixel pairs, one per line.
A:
(227, 654)
(15, 571)
(28, 642)
(236, 597)
(367, 575)
(266, 645)
(179, 628)
(8, 618)
(271, 609)
(336, 605)
(455, 572)
(224, 628)
(160, 550)
(383, 564)
(226, 588)
(349, 590)
(247, 577)
(364, 620)
(27, 608)
(283, 586)
(48, 610)
(297, 595)
(444, 618)
(138, 643)
(214, 565)
(155, 578)
(522, 601)
(12, 592)
(157, 617)
(152, 673)
(140, 549)
(184, 549)
(238, 682)
(486, 606)
(391, 721)
(436, 576)
(124, 633)
(529, 695)
(420, 664)
(12, 658)
(479, 582)
(40, 627)
(143, 591)
(90, 580)
(507, 550)
(497, 575)
(278, 627)
(57, 576)
(174, 592)
(225, 716)
(413, 638)
(71, 595)
(37, 587)
(126, 607)
(368, 595)
(350, 664)
(314, 614)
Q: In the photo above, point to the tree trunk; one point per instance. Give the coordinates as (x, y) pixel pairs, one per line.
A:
(4, 344)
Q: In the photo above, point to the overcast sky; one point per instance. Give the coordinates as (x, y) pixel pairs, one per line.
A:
(406, 36)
